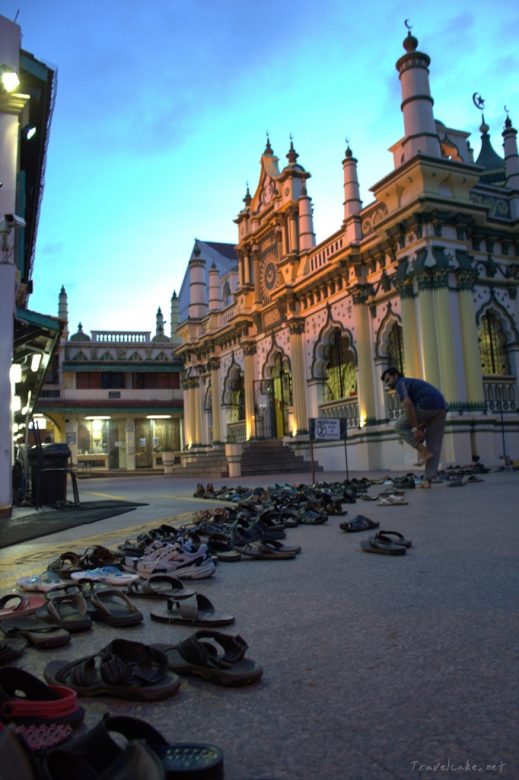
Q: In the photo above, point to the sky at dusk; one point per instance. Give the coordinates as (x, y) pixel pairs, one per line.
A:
(162, 109)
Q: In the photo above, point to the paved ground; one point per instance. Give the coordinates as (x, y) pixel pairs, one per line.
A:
(375, 668)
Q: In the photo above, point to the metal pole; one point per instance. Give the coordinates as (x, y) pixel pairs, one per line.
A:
(346, 458)
(312, 458)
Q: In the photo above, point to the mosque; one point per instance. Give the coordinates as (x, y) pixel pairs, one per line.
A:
(278, 332)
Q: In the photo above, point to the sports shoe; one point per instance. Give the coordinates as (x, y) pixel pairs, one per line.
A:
(181, 560)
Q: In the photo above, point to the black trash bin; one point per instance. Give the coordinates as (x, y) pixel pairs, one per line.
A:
(49, 484)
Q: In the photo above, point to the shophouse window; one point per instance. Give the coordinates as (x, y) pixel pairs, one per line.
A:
(112, 380)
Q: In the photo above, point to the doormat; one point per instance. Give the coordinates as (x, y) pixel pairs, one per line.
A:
(50, 521)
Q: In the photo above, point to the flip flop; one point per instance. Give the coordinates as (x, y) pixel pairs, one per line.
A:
(377, 545)
(195, 611)
(394, 537)
(38, 633)
(214, 656)
(359, 523)
(159, 586)
(113, 607)
(14, 605)
(122, 669)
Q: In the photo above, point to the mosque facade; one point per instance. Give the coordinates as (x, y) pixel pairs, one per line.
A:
(278, 332)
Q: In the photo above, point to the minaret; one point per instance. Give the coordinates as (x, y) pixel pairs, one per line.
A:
(306, 223)
(63, 311)
(159, 327)
(352, 201)
(215, 301)
(174, 315)
(197, 286)
(511, 165)
(417, 104)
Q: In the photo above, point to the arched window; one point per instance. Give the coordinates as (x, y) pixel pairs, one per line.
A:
(341, 380)
(492, 346)
(226, 292)
(395, 347)
(237, 392)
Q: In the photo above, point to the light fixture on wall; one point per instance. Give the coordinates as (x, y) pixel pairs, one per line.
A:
(9, 79)
(158, 417)
(98, 417)
(28, 132)
(35, 362)
(15, 373)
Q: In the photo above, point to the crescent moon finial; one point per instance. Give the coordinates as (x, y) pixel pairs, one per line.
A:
(478, 101)
(408, 25)
(347, 140)
(507, 110)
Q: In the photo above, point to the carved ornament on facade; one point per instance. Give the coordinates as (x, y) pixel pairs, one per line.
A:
(360, 293)
(296, 325)
(249, 348)
(466, 278)
(213, 364)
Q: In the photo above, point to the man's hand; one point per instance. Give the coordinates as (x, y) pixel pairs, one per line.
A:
(419, 434)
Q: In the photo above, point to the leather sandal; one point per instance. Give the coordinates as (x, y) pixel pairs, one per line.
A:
(122, 669)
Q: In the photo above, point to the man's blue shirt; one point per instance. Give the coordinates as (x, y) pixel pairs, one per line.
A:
(422, 394)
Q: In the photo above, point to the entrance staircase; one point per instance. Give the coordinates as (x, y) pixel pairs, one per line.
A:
(269, 456)
(211, 463)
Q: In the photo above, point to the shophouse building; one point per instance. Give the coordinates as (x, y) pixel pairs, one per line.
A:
(27, 338)
(114, 396)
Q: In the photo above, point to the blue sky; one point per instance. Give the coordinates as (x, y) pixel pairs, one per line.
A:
(162, 110)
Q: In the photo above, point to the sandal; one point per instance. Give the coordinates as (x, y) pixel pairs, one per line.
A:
(113, 607)
(392, 500)
(45, 716)
(195, 611)
(11, 648)
(14, 605)
(38, 633)
(122, 669)
(96, 557)
(68, 610)
(359, 523)
(158, 586)
(100, 750)
(263, 551)
(394, 537)
(214, 656)
(65, 564)
(378, 545)
(40, 582)
(111, 575)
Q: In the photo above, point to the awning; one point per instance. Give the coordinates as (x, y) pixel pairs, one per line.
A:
(34, 334)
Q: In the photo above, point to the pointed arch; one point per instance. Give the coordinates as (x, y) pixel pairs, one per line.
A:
(325, 338)
(389, 344)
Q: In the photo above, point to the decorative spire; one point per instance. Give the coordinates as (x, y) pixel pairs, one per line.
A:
(292, 154)
(348, 153)
(508, 121)
(268, 148)
(247, 199)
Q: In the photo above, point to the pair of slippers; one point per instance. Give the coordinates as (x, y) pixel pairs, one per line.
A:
(386, 543)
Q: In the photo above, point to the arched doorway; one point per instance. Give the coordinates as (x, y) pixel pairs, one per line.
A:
(273, 399)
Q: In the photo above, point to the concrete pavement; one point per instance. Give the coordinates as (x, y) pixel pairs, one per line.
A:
(375, 667)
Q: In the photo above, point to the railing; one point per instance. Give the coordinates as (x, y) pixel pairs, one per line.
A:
(236, 432)
(323, 254)
(121, 336)
(500, 394)
(345, 408)
(393, 406)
